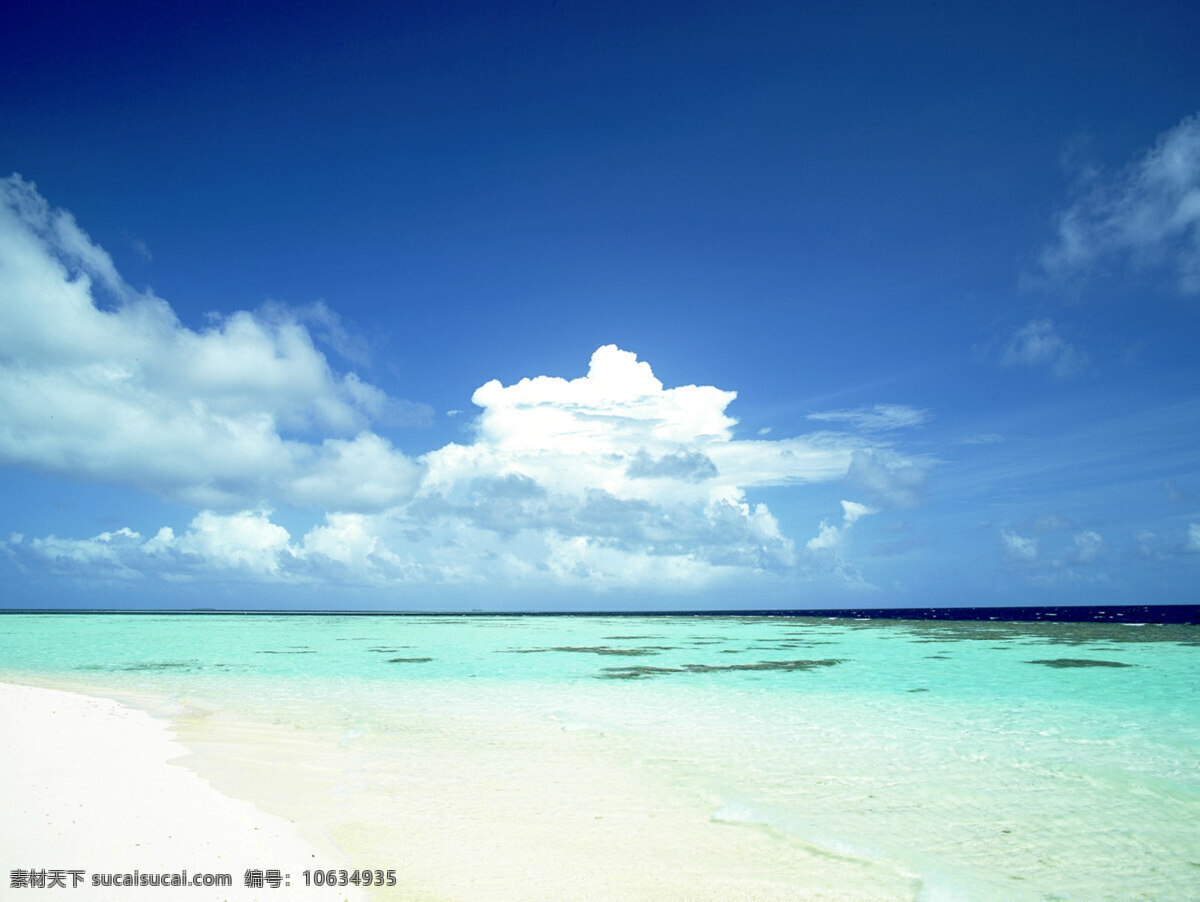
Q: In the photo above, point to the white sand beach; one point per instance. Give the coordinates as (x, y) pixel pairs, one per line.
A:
(477, 810)
(88, 785)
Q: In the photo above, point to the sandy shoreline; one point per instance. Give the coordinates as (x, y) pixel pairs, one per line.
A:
(482, 775)
(88, 786)
(466, 808)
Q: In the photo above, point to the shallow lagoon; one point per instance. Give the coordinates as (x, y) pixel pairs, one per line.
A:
(683, 757)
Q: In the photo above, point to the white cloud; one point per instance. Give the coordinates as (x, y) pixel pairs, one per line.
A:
(874, 419)
(345, 538)
(830, 537)
(617, 430)
(616, 464)
(1169, 547)
(1038, 343)
(607, 480)
(887, 476)
(247, 539)
(98, 381)
(1147, 544)
(1019, 548)
(246, 542)
(618, 405)
(1052, 557)
(1192, 544)
(106, 552)
(1147, 214)
(329, 328)
(852, 511)
(827, 546)
(365, 473)
(1086, 547)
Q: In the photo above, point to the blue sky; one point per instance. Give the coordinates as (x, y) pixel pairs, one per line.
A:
(600, 305)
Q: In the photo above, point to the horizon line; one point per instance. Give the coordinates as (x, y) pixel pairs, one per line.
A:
(1149, 613)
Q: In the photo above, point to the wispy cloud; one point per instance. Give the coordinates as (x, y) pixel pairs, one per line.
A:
(893, 479)
(873, 419)
(889, 478)
(1146, 215)
(982, 438)
(1039, 344)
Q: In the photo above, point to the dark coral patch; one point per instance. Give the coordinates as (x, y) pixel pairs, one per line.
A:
(592, 649)
(269, 651)
(137, 666)
(763, 665)
(638, 673)
(623, 638)
(1079, 662)
(634, 673)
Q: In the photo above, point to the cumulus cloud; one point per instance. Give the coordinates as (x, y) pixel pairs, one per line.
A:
(246, 542)
(101, 382)
(617, 430)
(610, 479)
(1039, 344)
(606, 473)
(106, 552)
(1147, 215)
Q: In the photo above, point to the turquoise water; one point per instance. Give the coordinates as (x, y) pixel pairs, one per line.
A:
(831, 758)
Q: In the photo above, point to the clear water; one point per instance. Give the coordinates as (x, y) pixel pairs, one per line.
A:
(684, 757)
